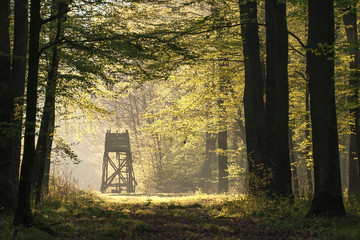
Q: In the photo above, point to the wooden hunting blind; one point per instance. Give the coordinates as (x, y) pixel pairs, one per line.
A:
(117, 155)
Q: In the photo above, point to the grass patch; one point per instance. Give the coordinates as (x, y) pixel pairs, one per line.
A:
(5, 227)
(87, 215)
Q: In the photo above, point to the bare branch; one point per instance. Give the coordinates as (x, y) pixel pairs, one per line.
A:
(54, 17)
(59, 42)
(297, 38)
(295, 50)
(302, 75)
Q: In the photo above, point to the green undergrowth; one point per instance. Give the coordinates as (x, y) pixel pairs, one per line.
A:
(290, 215)
(87, 215)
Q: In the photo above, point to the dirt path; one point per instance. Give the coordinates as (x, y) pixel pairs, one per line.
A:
(167, 218)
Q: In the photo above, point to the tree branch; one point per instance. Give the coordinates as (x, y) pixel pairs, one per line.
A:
(297, 38)
(60, 41)
(302, 75)
(292, 48)
(54, 17)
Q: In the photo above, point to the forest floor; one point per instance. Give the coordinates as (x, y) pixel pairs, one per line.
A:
(107, 217)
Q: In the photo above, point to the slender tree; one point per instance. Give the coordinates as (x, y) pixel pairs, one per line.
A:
(327, 198)
(223, 161)
(223, 134)
(253, 94)
(277, 98)
(18, 78)
(293, 160)
(308, 161)
(350, 23)
(7, 189)
(23, 210)
(210, 158)
(43, 146)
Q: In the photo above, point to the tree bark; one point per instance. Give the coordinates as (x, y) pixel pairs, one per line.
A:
(23, 209)
(210, 158)
(293, 160)
(18, 78)
(44, 142)
(327, 198)
(223, 161)
(350, 20)
(48, 154)
(277, 98)
(7, 188)
(253, 95)
(308, 158)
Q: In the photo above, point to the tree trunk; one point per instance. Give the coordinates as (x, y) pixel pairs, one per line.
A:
(253, 95)
(241, 126)
(327, 198)
(47, 157)
(223, 161)
(7, 188)
(293, 160)
(210, 158)
(349, 19)
(23, 208)
(277, 98)
(18, 78)
(308, 158)
(48, 117)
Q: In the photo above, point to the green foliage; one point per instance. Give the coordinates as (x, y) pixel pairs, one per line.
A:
(115, 57)
(63, 150)
(113, 63)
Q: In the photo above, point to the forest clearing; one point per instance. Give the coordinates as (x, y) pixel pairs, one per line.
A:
(85, 215)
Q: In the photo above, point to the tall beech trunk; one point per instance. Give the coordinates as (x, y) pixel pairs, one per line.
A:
(47, 128)
(18, 78)
(277, 98)
(350, 20)
(222, 136)
(23, 208)
(43, 147)
(210, 158)
(253, 95)
(48, 156)
(308, 160)
(223, 162)
(328, 199)
(309, 187)
(7, 188)
(293, 160)
(223, 183)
